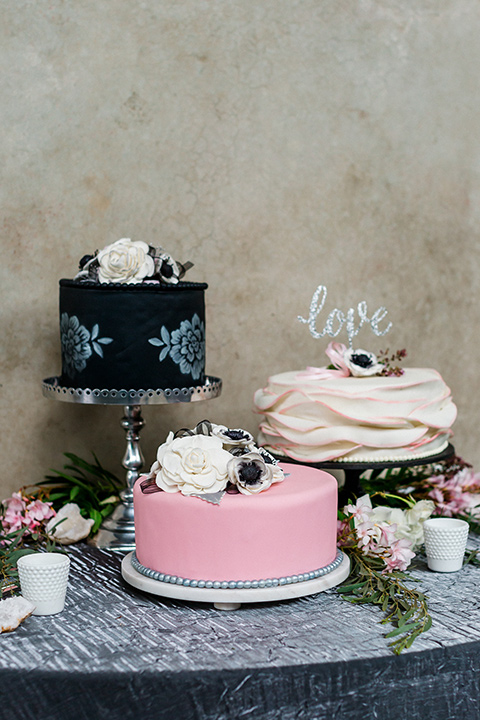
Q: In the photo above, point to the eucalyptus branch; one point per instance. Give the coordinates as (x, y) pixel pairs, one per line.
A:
(405, 608)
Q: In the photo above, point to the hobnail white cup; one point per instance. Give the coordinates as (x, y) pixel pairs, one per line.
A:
(43, 580)
(445, 543)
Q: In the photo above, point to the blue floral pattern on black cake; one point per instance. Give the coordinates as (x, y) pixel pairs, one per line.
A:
(78, 343)
(185, 346)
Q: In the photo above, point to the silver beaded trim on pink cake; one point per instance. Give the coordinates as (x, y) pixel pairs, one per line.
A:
(237, 584)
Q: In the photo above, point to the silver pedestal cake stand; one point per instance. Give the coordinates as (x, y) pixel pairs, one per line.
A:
(118, 531)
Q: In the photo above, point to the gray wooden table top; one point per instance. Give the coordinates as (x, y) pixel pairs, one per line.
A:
(117, 653)
(105, 620)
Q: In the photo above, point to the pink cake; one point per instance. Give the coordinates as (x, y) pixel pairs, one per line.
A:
(288, 530)
(216, 509)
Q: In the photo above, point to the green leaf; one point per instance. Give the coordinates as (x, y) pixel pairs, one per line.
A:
(57, 496)
(74, 492)
(349, 588)
(409, 641)
(403, 618)
(401, 630)
(428, 624)
(14, 556)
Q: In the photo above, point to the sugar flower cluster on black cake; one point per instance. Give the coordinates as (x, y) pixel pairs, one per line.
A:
(130, 262)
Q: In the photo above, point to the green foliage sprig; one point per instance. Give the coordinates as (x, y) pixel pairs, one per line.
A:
(95, 489)
(405, 608)
(378, 562)
(13, 546)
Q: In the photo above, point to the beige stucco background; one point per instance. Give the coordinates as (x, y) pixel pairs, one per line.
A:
(278, 145)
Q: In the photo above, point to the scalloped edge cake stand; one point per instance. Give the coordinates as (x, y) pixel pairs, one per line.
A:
(117, 532)
(232, 599)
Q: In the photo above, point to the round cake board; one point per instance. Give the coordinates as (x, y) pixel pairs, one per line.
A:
(232, 599)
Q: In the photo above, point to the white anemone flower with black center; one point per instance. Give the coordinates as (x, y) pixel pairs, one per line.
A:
(251, 474)
(233, 438)
(362, 363)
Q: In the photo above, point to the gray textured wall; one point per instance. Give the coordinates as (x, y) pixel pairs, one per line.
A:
(278, 145)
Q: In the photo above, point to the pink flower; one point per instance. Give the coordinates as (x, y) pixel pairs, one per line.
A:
(361, 510)
(437, 481)
(36, 512)
(15, 503)
(387, 534)
(467, 480)
(13, 515)
(399, 556)
(19, 515)
(368, 536)
(441, 504)
(39, 510)
(342, 528)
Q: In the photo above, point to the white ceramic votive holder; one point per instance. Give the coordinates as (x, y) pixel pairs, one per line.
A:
(445, 543)
(43, 580)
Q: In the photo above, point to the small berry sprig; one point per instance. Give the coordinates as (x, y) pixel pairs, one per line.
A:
(387, 360)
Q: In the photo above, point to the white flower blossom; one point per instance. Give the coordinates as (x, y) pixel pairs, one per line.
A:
(362, 363)
(409, 522)
(191, 464)
(251, 474)
(68, 526)
(125, 261)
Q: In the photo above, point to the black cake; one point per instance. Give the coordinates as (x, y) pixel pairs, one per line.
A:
(142, 336)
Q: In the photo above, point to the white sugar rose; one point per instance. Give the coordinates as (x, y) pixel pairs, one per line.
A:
(68, 526)
(362, 363)
(125, 261)
(191, 465)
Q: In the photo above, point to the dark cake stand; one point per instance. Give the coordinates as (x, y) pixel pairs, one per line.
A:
(353, 470)
(118, 531)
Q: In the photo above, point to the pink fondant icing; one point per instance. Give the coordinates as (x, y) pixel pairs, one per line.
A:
(286, 530)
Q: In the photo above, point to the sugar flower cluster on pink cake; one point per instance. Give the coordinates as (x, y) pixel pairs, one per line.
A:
(208, 459)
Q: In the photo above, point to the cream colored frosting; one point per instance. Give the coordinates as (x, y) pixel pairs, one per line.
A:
(374, 418)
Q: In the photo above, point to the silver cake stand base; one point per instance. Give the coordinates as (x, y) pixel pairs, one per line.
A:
(118, 531)
(232, 599)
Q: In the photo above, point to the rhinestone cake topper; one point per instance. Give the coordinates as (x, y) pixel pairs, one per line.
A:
(337, 319)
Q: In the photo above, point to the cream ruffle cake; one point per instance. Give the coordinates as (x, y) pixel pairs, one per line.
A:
(217, 509)
(359, 419)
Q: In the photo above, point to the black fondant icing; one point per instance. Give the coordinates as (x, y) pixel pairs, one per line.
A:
(144, 336)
